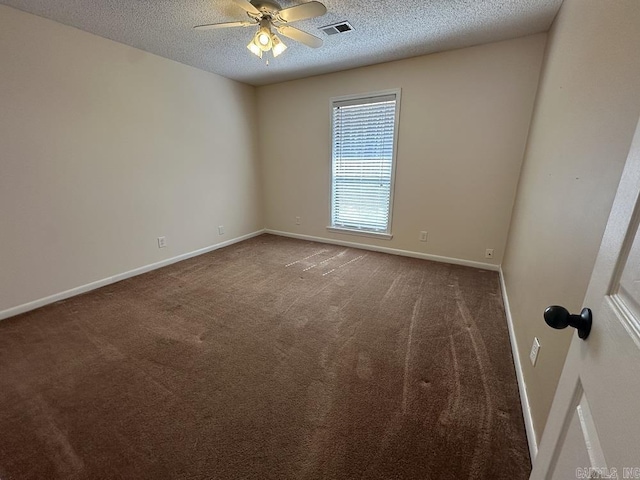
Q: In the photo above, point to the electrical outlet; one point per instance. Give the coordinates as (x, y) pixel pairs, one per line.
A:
(162, 242)
(220, 229)
(297, 220)
(488, 253)
(535, 348)
(423, 236)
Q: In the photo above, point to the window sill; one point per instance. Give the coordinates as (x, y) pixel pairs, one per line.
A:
(361, 233)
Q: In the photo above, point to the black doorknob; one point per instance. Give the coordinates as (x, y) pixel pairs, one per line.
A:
(559, 317)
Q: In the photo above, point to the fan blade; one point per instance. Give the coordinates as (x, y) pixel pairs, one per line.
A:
(246, 5)
(300, 36)
(211, 26)
(302, 12)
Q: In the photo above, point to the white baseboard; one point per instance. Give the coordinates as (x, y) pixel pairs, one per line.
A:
(10, 312)
(393, 251)
(522, 386)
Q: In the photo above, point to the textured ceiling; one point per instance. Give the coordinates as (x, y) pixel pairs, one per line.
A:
(384, 30)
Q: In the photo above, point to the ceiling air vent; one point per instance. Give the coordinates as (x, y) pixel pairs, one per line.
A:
(337, 28)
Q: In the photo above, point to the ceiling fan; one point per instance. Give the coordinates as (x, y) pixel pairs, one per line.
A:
(269, 15)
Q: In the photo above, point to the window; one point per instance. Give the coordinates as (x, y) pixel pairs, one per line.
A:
(364, 133)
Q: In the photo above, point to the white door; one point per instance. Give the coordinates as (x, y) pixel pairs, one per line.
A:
(593, 429)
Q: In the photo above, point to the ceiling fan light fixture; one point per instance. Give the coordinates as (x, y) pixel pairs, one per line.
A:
(278, 46)
(255, 49)
(267, 16)
(262, 38)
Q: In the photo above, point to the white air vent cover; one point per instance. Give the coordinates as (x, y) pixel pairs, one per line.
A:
(335, 28)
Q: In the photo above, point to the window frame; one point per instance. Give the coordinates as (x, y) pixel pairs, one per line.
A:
(387, 235)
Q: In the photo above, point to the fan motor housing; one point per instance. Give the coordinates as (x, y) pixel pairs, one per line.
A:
(266, 8)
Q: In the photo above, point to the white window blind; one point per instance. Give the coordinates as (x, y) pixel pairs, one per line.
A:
(362, 158)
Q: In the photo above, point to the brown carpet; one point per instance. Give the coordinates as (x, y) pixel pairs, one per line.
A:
(270, 359)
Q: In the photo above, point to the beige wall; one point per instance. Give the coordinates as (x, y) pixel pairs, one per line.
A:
(103, 148)
(463, 126)
(587, 108)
